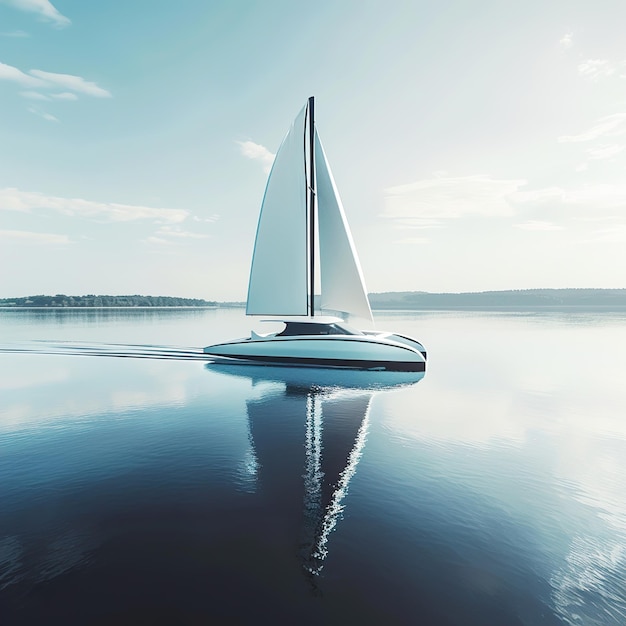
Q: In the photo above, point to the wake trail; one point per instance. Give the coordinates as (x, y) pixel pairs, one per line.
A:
(115, 350)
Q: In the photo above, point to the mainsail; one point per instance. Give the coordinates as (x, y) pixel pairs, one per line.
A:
(278, 276)
(281, 276)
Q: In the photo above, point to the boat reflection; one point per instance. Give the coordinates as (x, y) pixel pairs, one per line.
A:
(321, 379)
(307, 432)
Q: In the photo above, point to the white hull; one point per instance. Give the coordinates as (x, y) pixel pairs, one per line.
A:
(369, 351)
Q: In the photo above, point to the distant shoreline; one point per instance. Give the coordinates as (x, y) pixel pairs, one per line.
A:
(527, 299)
(495, 300)
(91, 301)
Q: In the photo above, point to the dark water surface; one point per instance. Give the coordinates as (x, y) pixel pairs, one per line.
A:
(150, 487)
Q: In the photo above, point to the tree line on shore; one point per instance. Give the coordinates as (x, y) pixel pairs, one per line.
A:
(91, 300)
(520, 298)
(399, 300)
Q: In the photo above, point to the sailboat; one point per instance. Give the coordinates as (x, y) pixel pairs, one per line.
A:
(302, 230)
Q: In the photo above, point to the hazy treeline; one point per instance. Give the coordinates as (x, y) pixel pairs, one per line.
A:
(495, 299)
(61, 300)
(393, 300)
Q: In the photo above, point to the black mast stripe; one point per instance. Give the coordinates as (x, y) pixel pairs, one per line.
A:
(398, 366)
(312, 205)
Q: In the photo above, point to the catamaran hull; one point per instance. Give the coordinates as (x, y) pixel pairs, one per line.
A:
(348, 352)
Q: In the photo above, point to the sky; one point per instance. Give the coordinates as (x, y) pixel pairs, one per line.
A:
(476, 145)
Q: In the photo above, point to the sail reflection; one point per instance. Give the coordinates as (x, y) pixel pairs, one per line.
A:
(307, 433)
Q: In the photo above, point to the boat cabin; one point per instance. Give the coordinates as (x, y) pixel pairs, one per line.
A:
(295, 329)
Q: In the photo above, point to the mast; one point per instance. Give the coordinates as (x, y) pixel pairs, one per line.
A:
(312, 206)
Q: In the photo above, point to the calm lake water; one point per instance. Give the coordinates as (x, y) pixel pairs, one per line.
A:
(139, 485)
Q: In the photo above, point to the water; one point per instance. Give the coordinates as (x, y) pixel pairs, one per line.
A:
(150, 487)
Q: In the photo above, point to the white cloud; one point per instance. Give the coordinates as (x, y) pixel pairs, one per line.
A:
(608, 126)
(606, 196)
(8, 72)
(46, 116)
(566, 41)
(13, 199)
(445, 198)
(538, 225)
(604, 152)
(33, 95)
(38, 79)
(43, 8)
(429, 203)
(591, 197)
(19, 34)
(257, 152)
(24, 236)
(599, 218)
(158, 240)
(66, 95)
(596, 68)
(75, 83)
(539, 196)
(209, 220)
(171, 236)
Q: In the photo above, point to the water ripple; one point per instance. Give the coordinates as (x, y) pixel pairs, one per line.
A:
(588, 589)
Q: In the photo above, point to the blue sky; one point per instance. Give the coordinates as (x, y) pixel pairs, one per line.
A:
(476, 145)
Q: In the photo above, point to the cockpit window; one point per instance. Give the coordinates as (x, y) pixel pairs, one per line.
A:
(293, 329)
(347, 329)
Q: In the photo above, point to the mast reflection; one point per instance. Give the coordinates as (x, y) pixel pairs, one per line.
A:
(326, 480)
(307, 433)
